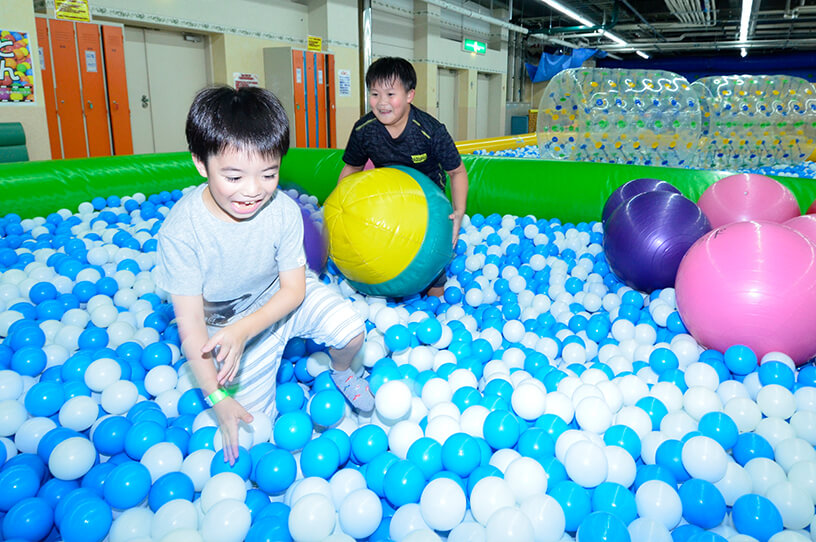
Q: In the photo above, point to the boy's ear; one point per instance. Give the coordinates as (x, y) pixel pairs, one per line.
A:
(411, 95)
(200, 166)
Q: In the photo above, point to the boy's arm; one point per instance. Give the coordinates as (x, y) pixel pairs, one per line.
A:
(348, 170)
(232, 338)
(459, 192)
(189, 310)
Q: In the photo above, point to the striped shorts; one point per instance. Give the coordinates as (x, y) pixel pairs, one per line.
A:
(324, 316)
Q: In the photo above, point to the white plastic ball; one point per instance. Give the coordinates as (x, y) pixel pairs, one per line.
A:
(360, 513)
(78, 413)
(586, 464)
(442, 504)
(657, 501)
(30, 432)
(489, 495)
(72, 458)
(173, 515)
(704, 458)
(228, 520)
(526, 477)
(222, 486)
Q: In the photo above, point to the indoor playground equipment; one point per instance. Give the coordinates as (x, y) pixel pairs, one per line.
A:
(389, 230)
(756, 120)
(659, 118)
(540, 397)
(619, 116)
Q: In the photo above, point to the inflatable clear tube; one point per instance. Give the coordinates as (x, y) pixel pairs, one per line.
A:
(644, 117)
(756, 120)
(657, 118)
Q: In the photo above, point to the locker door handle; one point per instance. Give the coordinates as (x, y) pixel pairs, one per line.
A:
(90, 104)
(145, 101)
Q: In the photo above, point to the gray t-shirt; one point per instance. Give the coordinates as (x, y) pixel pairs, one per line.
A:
(233, 266)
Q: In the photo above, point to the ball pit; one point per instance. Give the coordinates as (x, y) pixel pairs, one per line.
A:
(555, 404)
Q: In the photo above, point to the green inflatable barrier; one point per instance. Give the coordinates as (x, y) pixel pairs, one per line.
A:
(571, 191)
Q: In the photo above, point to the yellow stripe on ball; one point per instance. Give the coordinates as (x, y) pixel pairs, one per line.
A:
(376, 222)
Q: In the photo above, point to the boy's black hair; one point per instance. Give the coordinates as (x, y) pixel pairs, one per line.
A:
(247, 119)
(389, 68)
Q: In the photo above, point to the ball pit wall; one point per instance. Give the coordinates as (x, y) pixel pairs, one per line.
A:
(571, 191)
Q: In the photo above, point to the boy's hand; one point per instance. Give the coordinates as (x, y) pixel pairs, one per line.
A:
(457, 224)
(229, 412)
(227, 347)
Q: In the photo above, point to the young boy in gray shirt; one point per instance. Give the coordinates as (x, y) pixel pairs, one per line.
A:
(231, 255)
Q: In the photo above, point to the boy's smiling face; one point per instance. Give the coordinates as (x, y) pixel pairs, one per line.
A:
(391, 104)
(239, 183)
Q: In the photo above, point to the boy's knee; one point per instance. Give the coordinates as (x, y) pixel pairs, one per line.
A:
(356, 343)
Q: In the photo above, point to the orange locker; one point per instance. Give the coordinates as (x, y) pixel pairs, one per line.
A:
(332, 107)
(47, 78)
(93, 89)
(320, 94)
(301, 138)
(312, 120)
(66, 78)
(118, 106)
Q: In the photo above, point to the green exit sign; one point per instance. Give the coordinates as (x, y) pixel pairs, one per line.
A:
(473, 46)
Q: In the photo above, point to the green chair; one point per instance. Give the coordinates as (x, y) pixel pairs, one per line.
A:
(12, 143)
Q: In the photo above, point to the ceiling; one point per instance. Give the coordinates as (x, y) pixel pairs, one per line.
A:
(662, 28)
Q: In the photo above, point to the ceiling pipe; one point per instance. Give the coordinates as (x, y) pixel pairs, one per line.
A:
(735, 44)
(637, 14)
(478, 16)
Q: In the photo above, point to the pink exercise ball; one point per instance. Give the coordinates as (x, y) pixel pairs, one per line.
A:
(812, 208)
(747, 196)
(804, 224)
(751, 283)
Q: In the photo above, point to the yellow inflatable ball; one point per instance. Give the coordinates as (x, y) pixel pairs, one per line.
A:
(389, 231)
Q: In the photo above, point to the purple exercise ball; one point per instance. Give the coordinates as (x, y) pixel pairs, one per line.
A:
(647, 236)
(631, 189)
(314, 243)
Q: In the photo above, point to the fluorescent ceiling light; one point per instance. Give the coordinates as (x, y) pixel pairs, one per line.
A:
(641, 54)
(558, 6)
(614, 37)
(745, 19)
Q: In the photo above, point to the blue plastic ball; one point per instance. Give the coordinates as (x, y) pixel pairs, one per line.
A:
(18, 482)
(575, 501)
(403, 483)
(603, 527)
(327, 407)
(127, 485)
(367, 442)
(375, 470)
(616, 500)
(242, 467)
(501, 429)
(275, 471)
(320, 457)
(461, 454)
(168, 487)
(86, 521)
(756, 516)
(749, 446)
(293, 430)
(740, 359)
(720, 427)
(703, 504)
(289, 397)
(141, 436)
(776, 372)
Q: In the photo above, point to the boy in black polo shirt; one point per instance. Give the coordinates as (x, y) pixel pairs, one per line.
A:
(395, 132)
